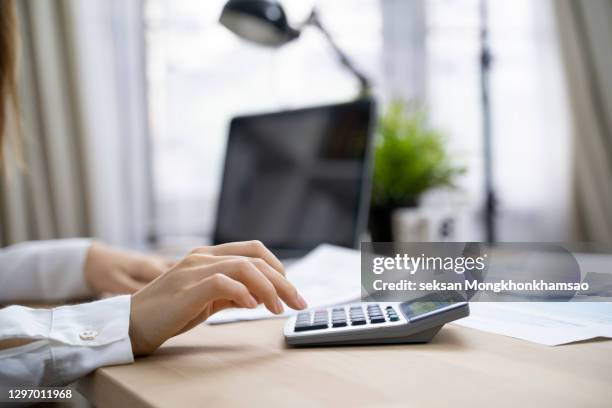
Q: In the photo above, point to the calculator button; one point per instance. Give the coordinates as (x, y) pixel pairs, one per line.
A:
(393, 318)
(358, 322)
(377, 320)
(339, 324)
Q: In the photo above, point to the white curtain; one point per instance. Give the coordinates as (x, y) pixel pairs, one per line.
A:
(47, 198)
(84, 121)
(586, 36)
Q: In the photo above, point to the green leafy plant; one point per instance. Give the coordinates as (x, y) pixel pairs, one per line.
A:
(410, 157)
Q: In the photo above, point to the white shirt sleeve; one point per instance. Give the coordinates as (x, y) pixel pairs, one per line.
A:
(44, 270)
(71, 341)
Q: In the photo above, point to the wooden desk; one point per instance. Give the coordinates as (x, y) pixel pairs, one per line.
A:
(247, 364)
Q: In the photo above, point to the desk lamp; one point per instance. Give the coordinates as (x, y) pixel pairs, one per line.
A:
(264, 22)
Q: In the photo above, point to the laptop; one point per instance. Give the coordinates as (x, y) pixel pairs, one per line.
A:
(298, 178)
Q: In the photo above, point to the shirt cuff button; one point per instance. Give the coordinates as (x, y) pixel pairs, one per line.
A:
(88, 334)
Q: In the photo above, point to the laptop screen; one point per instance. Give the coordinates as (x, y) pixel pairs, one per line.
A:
(295, 179)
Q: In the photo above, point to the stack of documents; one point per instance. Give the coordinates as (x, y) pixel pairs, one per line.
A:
(550, 324)
(327, 276)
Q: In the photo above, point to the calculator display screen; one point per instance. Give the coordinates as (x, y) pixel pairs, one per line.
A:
(418, 308)
(428, 303)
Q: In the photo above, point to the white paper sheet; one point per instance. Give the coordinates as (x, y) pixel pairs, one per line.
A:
(327, 276)
(550, 324)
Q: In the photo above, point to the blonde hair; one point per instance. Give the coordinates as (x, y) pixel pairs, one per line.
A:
(9, 101)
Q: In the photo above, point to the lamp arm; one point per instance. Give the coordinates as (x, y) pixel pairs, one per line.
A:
(364, 82)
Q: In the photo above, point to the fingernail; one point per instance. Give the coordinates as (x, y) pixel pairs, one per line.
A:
(301, 302)
(252, 303)
(278, 307)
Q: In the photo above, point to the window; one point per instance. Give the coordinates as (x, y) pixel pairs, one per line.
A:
(530, 132)
(200, 76)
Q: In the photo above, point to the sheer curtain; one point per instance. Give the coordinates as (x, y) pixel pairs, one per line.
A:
(585, 29)
(47, 199)
(84, 118)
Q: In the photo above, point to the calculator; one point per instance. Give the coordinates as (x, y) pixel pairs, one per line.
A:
(416, 321)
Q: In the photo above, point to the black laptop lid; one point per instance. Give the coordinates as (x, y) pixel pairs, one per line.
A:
(298, 178)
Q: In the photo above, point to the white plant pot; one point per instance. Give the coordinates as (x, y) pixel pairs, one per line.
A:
(421, 224)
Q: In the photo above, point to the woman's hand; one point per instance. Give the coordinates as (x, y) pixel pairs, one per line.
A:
(208, 280)
(112, 270)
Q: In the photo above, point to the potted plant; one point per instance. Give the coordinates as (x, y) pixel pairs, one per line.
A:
(410, 157)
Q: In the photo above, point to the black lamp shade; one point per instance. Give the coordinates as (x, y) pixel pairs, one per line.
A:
(261, 21)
